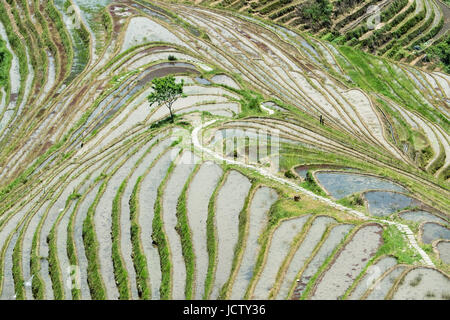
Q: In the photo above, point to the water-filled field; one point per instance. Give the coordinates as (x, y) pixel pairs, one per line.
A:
(284, 166)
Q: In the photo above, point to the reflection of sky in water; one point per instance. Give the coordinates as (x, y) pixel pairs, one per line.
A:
(151, 12)
(260, 136)
(249, 274)
(433, 231)
(92, 4)
(306, 45)
(302, 172)
(202, 81)
(444, 251)
(383, 203)
(420, 216)
(80, 58)
(89, 8)
(341, 185)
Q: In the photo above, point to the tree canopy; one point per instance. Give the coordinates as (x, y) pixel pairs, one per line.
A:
(317, 13)
(441, 51)
(166, 92)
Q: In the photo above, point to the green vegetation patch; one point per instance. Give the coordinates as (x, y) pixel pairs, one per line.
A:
(94, 277)
(311, 184)
(186, 236)
(211, 243)
(441, 52)
(354, 201)
(139, 259)
(397, 246)
(5, 64)
(160, 239)
(120, 272)
(374, 74)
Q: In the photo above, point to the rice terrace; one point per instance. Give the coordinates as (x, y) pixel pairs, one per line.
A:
(224, 149)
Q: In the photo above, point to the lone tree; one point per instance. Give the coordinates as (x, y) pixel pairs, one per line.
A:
(166, 92)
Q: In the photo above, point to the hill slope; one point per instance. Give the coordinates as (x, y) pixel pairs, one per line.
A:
(405, 30)
(248, 194)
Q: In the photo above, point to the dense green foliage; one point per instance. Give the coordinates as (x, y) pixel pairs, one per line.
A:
(5, 63)
(166, 92)
(275, 5)
(316, 12)
(311, 184)
(441, 51)
(393, 9)
(340, 6)
(345, 22)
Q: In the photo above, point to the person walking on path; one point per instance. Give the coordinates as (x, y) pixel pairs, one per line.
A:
(321, 120)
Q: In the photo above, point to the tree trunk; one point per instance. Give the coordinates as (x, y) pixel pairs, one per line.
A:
(169, 106)
(171, 114)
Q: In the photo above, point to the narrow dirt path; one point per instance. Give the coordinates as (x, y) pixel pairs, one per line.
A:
(403, 228)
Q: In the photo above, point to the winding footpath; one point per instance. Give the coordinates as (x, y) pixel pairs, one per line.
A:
(403, 228)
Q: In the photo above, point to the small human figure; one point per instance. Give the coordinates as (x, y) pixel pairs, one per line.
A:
(321, 119)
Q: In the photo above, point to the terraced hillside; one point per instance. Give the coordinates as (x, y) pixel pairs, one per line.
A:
(400, 29)
(295, 168)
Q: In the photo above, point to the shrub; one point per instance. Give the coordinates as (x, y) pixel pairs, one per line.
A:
(274, 6)
(393, 9)
(441, 51)
(316, 13)
(288, 174)
(311, 184)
